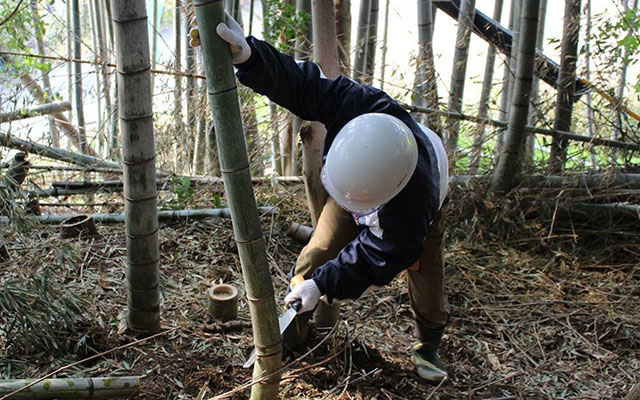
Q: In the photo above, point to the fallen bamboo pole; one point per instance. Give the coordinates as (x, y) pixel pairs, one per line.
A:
(575, 181)
(163, 215)
(54, 153)
(70, 168)
(530, 129)
(42, 109)
(120, 387)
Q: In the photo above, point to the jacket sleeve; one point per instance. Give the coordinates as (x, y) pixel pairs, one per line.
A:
(303, 89)
(370, 260)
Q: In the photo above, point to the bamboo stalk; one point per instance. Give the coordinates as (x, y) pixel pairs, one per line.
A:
(106, 87)
(53, 153)
(385, 37)
(234, 164)
(507, 75)
(190, 92)
(539, 131)
(372, 42)
(36, 111)
(485, 96)
(46, 83)
(359, 64)
(73, 388)
(343, 34)
(155, 29)
(77, 75)
(510, 161)
(163, 216)
(138, 154)
(592, 182)
(98, 139)
(618, 132)
(587, 73)
(178, 124)
(425, 85)
(325, 54)
(463, 36)
(534, 117)
(566, 84)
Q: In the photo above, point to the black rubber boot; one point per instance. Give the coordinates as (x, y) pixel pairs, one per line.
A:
(424, 355)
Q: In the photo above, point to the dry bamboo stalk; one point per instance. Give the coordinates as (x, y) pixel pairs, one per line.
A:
(234, 164)
(425, 84)
(53, 153)
(36, 111)
(163, 215)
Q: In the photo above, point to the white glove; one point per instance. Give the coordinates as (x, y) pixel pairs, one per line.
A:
(232, 33)
(308, 292)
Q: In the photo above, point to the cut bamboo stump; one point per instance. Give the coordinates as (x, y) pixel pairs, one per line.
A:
(121, 387)
(79, 226)
(300, 233)
(223, 302)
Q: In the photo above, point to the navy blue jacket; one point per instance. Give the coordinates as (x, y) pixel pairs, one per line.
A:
(369, 260)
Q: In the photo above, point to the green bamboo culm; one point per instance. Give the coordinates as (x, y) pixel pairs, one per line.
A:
(138, 154)
(234, 165)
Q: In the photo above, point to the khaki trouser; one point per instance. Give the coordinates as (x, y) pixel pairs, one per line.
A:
(336, 228)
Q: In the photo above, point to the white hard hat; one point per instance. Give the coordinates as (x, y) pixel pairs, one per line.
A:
(370, 161)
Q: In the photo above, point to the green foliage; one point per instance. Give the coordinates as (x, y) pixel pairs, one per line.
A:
(619, 39)
(17, 33)
(182, 191)
(282, 24)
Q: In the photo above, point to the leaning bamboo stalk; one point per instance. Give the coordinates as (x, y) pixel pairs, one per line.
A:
(485, 95)
(138, 155)
(540, 131)
(234, 164)
(458, 74)
(510, 160)
(566, 83)
(53, 153)
(163, 216)
(591, 182)
(73, 388)
(36, 111)
(46, 83)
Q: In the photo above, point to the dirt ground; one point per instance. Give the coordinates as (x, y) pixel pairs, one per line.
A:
(540, 309)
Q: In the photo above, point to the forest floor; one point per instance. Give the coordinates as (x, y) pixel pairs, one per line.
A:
(540, 309)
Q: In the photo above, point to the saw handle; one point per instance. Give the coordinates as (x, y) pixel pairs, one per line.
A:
(296, 304)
